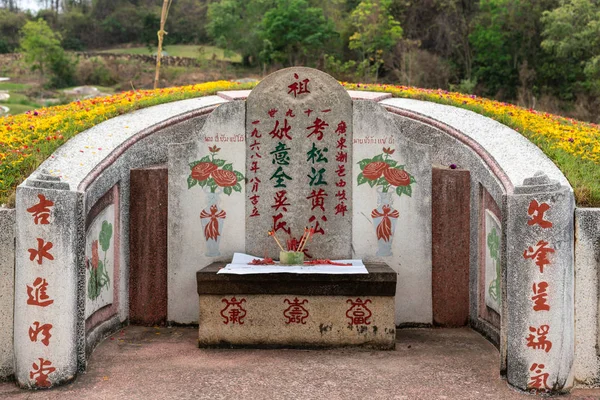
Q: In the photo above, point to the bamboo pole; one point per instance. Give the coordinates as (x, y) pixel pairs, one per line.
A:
(161, 34)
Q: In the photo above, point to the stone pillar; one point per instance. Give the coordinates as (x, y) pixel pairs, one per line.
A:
(451, 199)
(48, 323)
(539, 292)
(7, 286)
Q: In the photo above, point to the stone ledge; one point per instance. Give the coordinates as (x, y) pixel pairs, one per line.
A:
(381, 281)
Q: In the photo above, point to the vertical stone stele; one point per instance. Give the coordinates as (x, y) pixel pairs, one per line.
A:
(299, 163)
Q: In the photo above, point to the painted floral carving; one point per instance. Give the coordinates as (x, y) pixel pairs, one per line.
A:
(202, 171)
(384, 228)
(211, 230)
(213, 173)
(99, 278)
(214, 176)
(389, 178)
(384, 172)
(493, 243)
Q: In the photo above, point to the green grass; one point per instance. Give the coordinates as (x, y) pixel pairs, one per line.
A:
(184, 50)
(19, 108)
(14, 86)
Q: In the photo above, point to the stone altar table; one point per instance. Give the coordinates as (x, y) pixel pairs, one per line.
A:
(297, 310)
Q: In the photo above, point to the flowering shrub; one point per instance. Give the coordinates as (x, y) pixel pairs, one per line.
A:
(28, 139)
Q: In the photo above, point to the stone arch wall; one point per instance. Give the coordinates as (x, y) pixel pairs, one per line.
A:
(488, 149)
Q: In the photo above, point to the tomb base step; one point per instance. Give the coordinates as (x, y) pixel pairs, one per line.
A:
(297, 310)
(296, 321)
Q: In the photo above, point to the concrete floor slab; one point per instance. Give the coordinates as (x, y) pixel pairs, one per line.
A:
(164, 363)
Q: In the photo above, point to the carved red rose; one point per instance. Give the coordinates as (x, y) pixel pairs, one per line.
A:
(202, 171)
(224, 177)
(396, 177)
(373, 170)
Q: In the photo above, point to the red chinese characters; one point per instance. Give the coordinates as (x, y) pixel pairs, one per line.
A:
(540, 297)
(536, 211)
(295, 313)
(538, 338)
(359, 313)
(539, 253)
(37, 293)
(40, 372)
(41, 211)
(317, 129)
(538, 378)
(255, 157)
(233, 312)
(42, 251)
(44, 330)
(299, 86)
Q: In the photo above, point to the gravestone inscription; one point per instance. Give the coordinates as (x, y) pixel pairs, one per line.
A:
(299, 163)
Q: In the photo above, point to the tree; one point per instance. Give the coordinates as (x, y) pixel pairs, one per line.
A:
(39, 44)
(235, 24)
(294, 33)
(161, 35)
(10, 25)
(375, 32)
(572, 34)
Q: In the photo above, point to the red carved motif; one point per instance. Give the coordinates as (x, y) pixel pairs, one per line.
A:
(384, 229)
(536, 211)
(537, 339)
(37, 293)
(42, 251)
(233, 312)
(211, 230)
(540, 297)
(41, 211)
(36, 329)
(539, 253)
(317, 128)
(40, 373)
(295, 313)
(299, 87)
(359, 313)
(539, 381)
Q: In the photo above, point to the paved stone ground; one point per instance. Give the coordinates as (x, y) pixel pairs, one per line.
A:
(164, 363)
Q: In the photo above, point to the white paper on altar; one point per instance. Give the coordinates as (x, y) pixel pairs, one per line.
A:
(239, 266)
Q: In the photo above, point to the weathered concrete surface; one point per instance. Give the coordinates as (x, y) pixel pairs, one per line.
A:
(163, 363)
(7, 290)
(587, 263)
(296, 321)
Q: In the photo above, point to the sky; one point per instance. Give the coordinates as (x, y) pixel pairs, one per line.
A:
(32, 5)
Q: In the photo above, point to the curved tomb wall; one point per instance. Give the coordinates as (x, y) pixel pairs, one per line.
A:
(423, 134)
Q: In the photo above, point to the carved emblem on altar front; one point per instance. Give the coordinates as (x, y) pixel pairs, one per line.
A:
(295, 313)
(233, 313)
(359, 313)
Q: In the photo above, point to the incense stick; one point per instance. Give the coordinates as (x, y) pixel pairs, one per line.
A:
(272, 233)
(309, 236)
